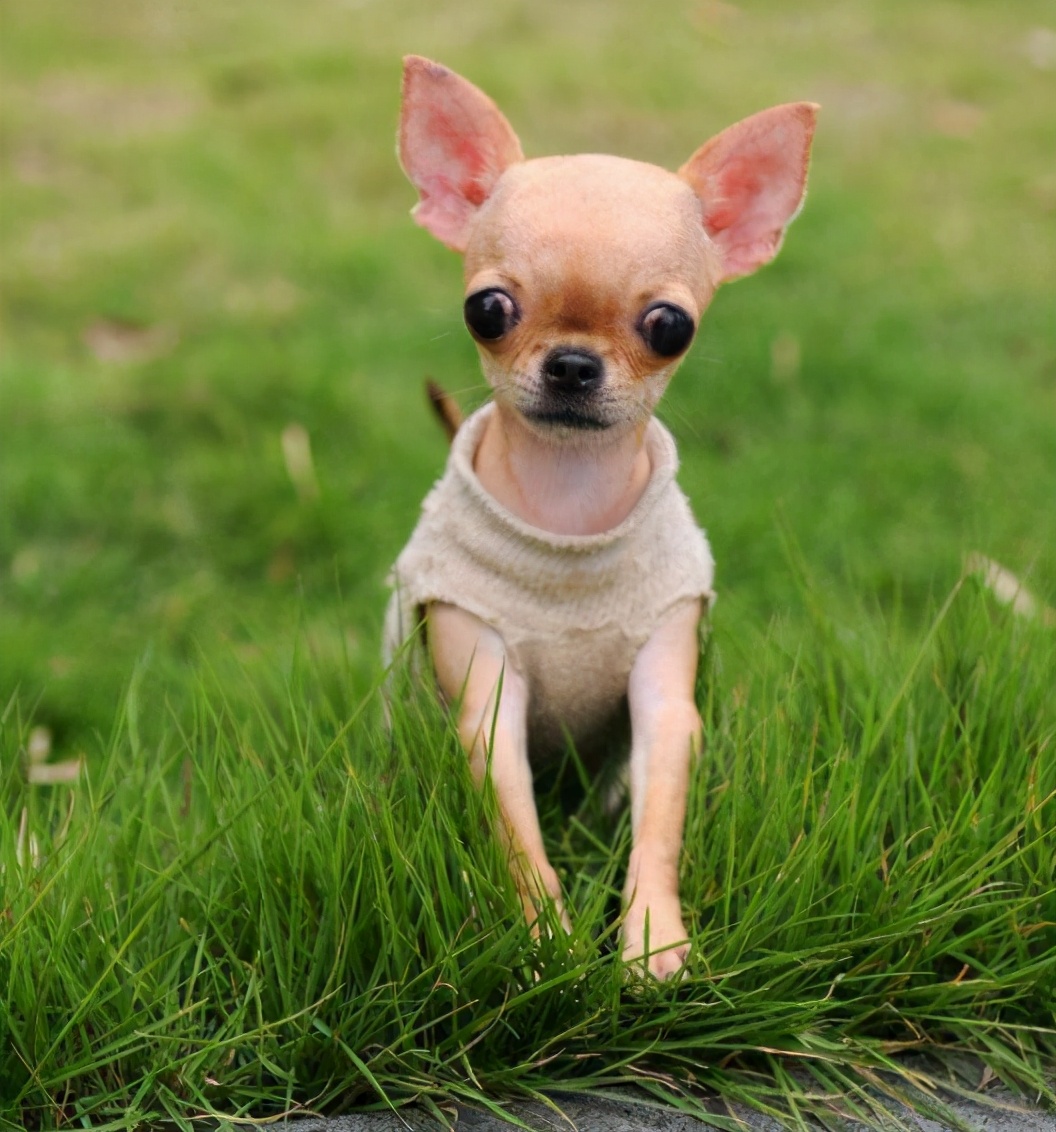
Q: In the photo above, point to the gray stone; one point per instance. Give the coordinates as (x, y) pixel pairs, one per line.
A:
(997, 1111)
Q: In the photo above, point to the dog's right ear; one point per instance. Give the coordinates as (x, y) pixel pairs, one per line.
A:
(751, 180)
(454, 144)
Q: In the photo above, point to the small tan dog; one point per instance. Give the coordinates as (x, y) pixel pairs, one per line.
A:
(558, 569)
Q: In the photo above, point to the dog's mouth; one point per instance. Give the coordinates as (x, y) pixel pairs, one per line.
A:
(567, 418)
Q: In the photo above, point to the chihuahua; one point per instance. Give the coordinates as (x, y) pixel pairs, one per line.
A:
(556, 566)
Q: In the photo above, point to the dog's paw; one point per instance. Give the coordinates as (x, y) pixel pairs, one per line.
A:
(655, 941)
(547, 922)
(543, 903)
(670, 963)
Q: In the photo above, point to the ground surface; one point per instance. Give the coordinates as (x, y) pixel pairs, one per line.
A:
(1001, 1113)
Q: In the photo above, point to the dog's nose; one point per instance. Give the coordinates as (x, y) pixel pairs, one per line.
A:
(573, 371)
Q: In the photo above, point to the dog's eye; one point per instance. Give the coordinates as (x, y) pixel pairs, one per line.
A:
(666, 329)
(490, 314)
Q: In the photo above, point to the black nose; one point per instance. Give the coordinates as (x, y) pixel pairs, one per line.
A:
(573, 371)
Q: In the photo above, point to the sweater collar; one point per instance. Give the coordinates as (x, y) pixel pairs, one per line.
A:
(663, 460)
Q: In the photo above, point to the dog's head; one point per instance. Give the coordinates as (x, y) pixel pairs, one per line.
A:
(586, 276)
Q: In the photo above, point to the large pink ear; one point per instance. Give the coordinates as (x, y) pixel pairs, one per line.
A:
(751, 180)
(454, 144)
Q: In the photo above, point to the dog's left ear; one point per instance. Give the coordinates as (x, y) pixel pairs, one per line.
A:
(751, 180)
(454, 145)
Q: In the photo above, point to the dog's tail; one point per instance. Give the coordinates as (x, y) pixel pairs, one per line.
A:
(445, 406)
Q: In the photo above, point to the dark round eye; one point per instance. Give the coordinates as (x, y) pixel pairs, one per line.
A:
(490, 314)
(666, 329)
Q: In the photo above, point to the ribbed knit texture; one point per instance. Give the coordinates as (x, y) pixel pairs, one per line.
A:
(572, 610)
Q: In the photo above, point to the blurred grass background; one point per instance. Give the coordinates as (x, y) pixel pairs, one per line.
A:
(205, 241)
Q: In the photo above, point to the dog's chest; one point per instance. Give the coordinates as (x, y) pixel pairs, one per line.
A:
(577, 684)
(572, 611)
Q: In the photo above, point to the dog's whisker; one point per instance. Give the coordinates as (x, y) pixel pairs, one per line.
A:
(684, 419)
(469, 390)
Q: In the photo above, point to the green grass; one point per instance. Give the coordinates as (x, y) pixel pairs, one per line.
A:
(279, 905)
(205, 240)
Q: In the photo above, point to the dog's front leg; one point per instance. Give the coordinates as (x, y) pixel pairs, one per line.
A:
(665, 727)
(473, 672)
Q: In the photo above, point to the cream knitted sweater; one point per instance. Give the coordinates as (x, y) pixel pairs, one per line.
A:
(572, 610)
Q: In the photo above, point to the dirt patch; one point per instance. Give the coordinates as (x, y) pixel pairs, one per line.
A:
(119, 111)
(125, 343)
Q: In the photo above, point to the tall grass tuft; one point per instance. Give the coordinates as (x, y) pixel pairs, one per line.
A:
(276, 903)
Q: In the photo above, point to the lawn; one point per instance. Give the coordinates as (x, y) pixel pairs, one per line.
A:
(253, 897)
